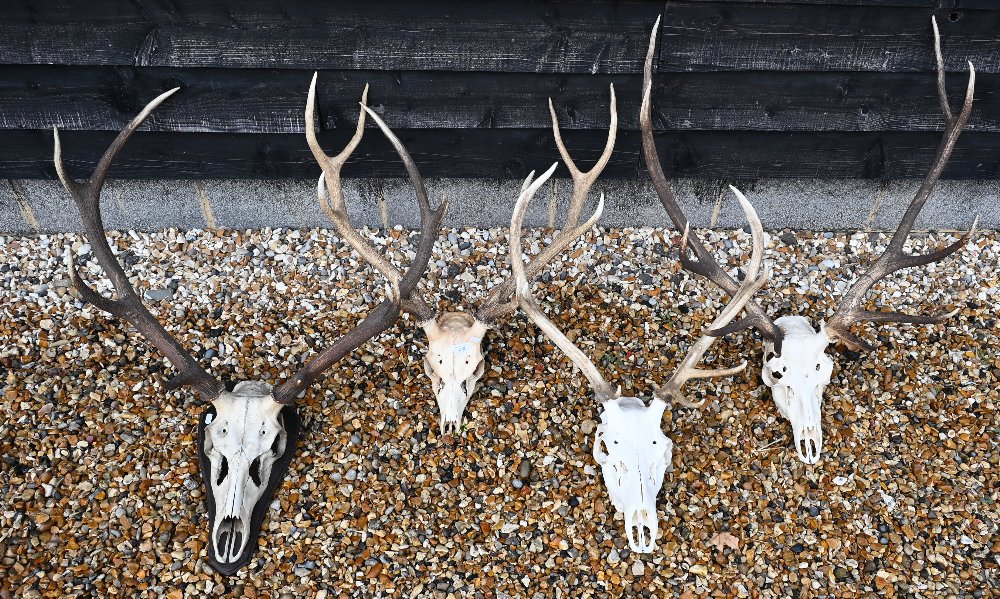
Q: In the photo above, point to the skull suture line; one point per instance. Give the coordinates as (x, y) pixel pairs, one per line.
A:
(455, 362)
(796, 367)
(629, 445)
(247, 437)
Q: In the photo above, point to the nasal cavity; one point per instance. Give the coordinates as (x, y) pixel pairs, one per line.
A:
(223, 471)
(230, 539)
(255, 471)
(809, 449)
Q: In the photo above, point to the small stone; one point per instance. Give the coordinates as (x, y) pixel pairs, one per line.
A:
(788, 238)
(638, 568)
(158, 295)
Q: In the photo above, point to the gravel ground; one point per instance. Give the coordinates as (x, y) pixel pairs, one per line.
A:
(100, 493)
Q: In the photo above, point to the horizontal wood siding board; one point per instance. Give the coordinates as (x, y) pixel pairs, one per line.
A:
(930, 4)
(824, 155)
(580, 37)
(507, 153)
(814, 101)
(273, 100)
(498, 153)
(704, 36)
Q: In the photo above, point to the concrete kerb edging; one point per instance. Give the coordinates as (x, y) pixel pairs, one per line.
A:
(42, 206)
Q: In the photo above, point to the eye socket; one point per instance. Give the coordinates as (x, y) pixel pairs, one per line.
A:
(654, 442)
(224, 431)
(776, 374)
(817, 367)
(770, 356)
(616, 442)
(262, 433)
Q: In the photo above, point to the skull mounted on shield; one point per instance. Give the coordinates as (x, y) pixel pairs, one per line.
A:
(247, 436)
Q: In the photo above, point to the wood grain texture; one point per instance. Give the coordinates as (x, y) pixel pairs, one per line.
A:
(930, 4)
(577, 36)
(730, 36)
(507, 153)
(498, 153)
(272, 100)
(753, 155)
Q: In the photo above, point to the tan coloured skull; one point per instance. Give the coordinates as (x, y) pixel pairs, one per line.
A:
(454, 363)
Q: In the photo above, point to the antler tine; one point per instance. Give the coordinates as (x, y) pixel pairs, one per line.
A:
(894, 258)
(688, 370)
(583, 181)
(401, 290)
(495, 304)
(602, 390)
(705, 265)
(329, 191)
(127, 306)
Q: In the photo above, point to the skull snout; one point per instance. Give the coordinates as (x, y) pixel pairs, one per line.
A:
(229, 539)
(641, 527)
(451, 403)
(809, 442)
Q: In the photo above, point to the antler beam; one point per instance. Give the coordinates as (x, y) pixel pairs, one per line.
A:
(705, 265)
(894, 258)
(127, 306)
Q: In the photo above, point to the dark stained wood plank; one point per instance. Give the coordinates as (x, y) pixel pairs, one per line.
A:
(810, 101)
(522, 36)
(932, 4)
(499, 153)
(703, 36)
(751, 155)
(272, 100)
(507, 153)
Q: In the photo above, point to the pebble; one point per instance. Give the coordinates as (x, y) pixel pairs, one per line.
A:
(102, 494)
(158, 295)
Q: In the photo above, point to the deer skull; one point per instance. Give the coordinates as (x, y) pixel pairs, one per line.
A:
(634, 455)
(246, 441)
(454, 363)
(797, 379)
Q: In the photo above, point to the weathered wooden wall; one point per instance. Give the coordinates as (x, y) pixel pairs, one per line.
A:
(744, 89)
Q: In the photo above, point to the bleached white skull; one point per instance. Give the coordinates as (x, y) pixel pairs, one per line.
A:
(454, 363)
(246, 442)
(797, 379)
(634, 456)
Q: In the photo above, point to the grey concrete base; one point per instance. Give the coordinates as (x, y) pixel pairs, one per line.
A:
(32, 206)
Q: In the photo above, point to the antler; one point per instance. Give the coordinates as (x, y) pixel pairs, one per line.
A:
(127, 306)
(687, 369)
(402, 286)
(602, 390)
(331, 197)
(705, 265)
(496, 304)
(894, 258)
